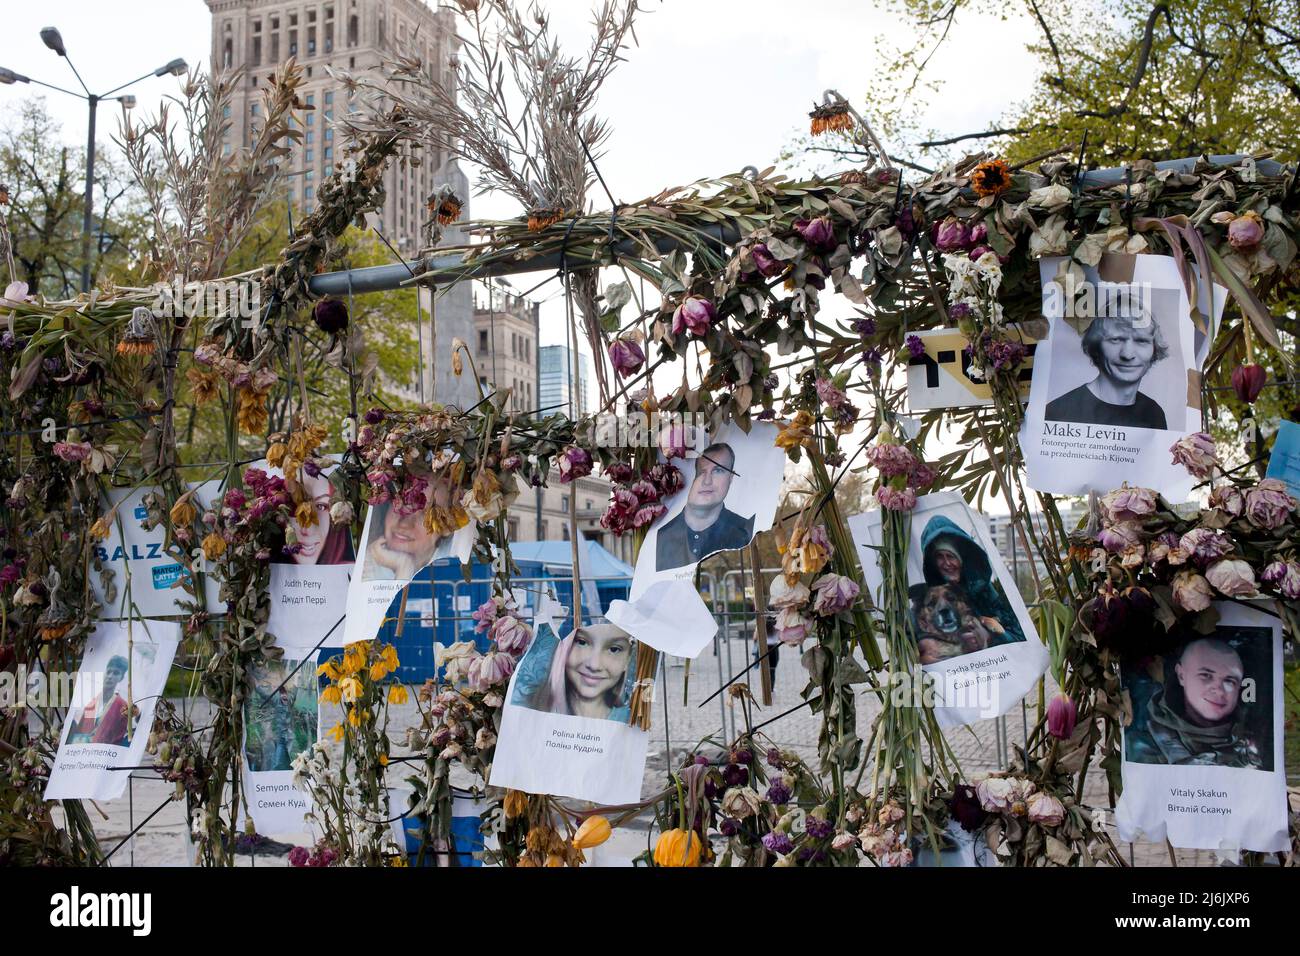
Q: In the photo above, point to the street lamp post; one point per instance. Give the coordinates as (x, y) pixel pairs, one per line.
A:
(51, 37)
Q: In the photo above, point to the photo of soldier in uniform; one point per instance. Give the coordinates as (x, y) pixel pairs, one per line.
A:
(1207, 703)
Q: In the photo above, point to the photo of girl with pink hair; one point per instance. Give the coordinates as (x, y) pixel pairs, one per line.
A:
(590, 673)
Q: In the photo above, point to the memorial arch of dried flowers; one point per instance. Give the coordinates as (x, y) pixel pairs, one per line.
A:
(742, 265)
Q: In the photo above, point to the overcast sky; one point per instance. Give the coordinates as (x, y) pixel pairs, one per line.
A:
(714, 85)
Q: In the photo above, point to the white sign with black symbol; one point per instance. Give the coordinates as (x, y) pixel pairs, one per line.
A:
(975, 640)
(1203, 759)
(941, 376)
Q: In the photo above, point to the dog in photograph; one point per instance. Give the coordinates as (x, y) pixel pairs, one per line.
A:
(945, 624)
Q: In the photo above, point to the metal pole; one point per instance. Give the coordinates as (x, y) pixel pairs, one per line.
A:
(90, 197)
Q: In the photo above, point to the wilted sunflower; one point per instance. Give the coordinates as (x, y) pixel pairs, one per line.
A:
(138, 337)
(447, 209)
(543, 216)
(991, 178)
(829, 117)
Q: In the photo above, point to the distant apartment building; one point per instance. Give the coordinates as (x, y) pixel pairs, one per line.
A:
(557, 393)
(505, 344)
(259, 35)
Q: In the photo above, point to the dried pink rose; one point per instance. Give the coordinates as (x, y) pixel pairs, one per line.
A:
(995, 794)
(1045, 809)
(784, 595)
(575, 462)
(1246, 231)
(626, 356)
(793, 626)
(511, 634)
(1191, 591)
(1118, 537)
(491, 668)
(1268, 504)
(1197, 454)
(1285, 576)
(1232, 577)
(1129, 504)
(695, 314)
(1206, 545)
(1229, 498)
(834, 593)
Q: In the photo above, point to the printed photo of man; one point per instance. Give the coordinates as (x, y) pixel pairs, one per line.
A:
(1122, 349)
(705, 525)
(1198, 718)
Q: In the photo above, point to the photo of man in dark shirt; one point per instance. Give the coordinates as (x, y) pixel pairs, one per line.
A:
(1122, 350)
(705, 525)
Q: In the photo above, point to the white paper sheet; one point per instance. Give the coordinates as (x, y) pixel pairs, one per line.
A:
(279, 723)
(98, 732)
(670, 617)
(984, 653)
(144, 574)
(374, 584)
(1194, 785)
(734, 500)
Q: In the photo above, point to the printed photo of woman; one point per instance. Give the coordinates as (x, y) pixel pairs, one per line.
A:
(961, 607)
(399, 544)
(321, 542)
(590, 673)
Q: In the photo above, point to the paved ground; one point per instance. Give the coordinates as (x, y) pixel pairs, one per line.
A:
(690, 718)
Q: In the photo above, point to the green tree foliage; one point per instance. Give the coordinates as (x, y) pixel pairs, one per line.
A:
(1143, 80)
(382, 340)
(46, 179)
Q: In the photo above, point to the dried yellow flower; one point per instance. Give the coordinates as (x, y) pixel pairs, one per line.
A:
(214, 546)
(183, 512)
(253, 415)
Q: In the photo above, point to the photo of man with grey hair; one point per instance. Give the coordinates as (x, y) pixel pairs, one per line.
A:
(1122, 348)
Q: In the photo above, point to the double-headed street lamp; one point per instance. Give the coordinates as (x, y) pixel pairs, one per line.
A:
(54, 40)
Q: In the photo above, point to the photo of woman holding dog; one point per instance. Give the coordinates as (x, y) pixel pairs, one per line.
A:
(961, 607)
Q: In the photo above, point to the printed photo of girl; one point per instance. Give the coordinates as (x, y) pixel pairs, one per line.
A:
(320, 542)
(590, 673)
